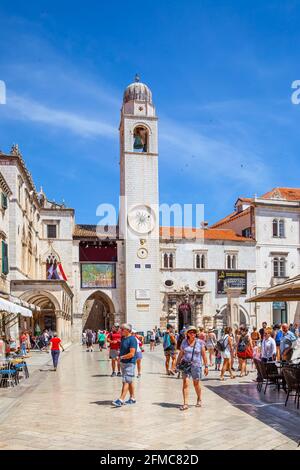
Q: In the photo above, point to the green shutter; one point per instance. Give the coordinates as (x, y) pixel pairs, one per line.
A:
(4, 201)
(4, 258)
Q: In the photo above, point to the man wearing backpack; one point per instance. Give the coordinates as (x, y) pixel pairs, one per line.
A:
(169, 345)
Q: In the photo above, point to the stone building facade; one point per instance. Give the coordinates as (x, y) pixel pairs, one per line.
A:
(74, 277)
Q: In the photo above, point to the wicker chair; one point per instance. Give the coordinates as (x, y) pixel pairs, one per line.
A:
(9, 376)
(292, 378)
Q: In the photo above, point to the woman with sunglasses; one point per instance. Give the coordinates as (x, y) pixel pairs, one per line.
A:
(192, 355)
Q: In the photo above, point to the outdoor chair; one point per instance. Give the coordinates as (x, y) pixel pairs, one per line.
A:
(273, 375)
(8, 375)
(292, 378)
(22, 366)
(260, 378)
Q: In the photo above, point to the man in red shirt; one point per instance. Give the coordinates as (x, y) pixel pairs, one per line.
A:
(55, 344)
(114, 341)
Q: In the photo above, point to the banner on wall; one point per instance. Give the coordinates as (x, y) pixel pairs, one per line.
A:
(95, 275)
(231, 279)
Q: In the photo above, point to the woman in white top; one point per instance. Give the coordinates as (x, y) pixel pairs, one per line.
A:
(152, 340)
(211, 341)
(268, 347)
(226, 354)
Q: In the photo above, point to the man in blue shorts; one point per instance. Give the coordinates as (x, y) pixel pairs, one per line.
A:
(127, 360)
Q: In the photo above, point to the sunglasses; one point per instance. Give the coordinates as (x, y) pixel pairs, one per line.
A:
(193, 332)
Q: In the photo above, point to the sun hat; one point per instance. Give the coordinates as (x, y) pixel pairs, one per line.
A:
(191, 328)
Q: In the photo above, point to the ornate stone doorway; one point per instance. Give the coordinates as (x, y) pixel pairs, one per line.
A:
(184, 315)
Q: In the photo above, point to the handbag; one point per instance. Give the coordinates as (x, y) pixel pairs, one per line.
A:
(186, 366)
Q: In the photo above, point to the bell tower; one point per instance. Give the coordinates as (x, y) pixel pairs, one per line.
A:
(139, 213)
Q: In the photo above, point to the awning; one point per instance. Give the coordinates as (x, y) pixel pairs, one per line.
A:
(287, 291)
(10, 307)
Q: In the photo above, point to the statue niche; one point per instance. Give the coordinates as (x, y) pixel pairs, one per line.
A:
(140, 139)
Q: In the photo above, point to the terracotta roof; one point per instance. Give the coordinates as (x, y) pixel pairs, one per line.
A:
(95, 231)
(206, 234)
(248, 200)
(287, 194)
(235, 215)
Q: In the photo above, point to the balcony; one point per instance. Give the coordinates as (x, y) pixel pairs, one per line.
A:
(278, 280)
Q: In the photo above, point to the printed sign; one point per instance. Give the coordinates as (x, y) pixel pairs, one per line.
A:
(95, 275)
(231, 279)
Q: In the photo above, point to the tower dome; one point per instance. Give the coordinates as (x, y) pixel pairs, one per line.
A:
(137, 91)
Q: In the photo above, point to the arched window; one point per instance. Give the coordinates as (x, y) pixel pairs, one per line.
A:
(166, 260)
(202, 261)
(281, 229)
(228, 262)
(140, 139)
(275, 228)
(198, 264)
(278, 228)
(233, 262)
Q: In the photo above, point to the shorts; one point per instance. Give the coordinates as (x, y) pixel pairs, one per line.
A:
(170, 352)
(114, 353)
(139, 355)
(89, 344)
(226, 354)
(128, 372)
(101, 344)
(196, 373)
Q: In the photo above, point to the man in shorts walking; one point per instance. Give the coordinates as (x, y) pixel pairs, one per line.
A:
(128, 361)
(114, 341)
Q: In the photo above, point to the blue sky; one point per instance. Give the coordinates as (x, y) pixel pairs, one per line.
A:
(220, 73)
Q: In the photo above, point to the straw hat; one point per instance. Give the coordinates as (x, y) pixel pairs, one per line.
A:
(191, 328)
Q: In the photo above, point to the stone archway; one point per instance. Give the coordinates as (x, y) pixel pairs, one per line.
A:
(98, 312)
(46, 317)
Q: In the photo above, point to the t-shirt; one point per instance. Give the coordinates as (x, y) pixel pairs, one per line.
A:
(188, 352)
(55, 344)
(127, 344)
(115, 337)
(23, 339)
(101, 337)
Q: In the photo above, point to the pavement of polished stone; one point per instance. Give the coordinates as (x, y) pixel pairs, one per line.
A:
(71, 409)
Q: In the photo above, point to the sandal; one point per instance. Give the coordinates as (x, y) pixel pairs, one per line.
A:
(199, 404)
(232, 376)
(184, 408)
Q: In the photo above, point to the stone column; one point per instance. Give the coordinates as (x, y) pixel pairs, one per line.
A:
(198, 313)
(233, 298)
(59, 325)
(172, 313)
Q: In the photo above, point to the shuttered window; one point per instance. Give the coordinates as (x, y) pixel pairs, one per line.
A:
(4, 258)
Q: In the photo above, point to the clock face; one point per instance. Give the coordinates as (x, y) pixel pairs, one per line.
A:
(141, 219)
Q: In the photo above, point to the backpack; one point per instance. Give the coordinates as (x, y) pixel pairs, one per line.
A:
(167, 341)
(221, 344)
(242, 345)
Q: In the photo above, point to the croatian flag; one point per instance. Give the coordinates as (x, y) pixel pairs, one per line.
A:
(61, 272)
(50, 271)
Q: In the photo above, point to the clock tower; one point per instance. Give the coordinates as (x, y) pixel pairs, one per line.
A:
(139, 212)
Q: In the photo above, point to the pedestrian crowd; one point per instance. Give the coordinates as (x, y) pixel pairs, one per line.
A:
(190, 353)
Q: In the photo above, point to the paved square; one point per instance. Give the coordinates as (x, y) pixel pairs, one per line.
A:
(71, 409)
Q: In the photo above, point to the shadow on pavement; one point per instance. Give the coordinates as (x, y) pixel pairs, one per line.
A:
(164, 404)
(103, 402)
(268, 408)
(101, 375)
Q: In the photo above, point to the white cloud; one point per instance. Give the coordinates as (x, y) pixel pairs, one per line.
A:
(75, 123)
